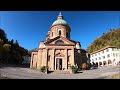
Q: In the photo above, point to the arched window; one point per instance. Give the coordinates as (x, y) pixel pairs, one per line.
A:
(59, 32)
(59, 42)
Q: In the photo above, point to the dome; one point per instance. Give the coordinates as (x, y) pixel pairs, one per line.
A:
(59, 21)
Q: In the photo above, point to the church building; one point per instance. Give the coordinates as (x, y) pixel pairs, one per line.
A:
(58, 51)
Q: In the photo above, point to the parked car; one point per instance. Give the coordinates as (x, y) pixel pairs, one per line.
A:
(25, 62)
(93, 67)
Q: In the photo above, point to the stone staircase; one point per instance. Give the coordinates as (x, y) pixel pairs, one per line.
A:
(60, 72)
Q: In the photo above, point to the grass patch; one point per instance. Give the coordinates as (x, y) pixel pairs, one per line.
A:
(115, 76)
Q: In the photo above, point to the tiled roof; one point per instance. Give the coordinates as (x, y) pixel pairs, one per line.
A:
(34, 50)
(103, 49)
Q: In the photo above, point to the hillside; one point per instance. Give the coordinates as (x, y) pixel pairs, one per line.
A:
(111, 38)
(10, 50)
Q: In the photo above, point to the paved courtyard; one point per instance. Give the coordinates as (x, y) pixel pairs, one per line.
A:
(27, 73)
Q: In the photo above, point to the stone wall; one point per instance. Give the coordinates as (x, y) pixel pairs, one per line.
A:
(54, 31)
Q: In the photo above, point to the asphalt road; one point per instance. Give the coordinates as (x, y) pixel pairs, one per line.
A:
(27, 73)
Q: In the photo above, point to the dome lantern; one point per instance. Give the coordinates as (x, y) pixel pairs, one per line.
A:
(60, 20)
(60, 16)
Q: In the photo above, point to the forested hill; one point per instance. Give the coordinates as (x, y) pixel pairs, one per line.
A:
(10, 50)
(111, 38)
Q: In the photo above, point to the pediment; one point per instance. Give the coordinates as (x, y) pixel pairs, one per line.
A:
(60, 41)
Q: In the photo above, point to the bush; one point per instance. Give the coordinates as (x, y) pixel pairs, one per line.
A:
(74, 68)
(44, 69)
(84, 66)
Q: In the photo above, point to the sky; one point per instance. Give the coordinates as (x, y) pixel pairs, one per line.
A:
(31, 27)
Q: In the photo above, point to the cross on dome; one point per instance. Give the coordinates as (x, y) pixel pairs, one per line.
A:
(60, 14)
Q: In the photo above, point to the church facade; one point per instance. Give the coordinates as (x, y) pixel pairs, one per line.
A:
(58, 51)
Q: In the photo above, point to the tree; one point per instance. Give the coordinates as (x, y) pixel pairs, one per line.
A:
(10, 51)
(111, 38)
(6, 52)
(1, 48)
(16, 43)
(3, 36)
(11, 42)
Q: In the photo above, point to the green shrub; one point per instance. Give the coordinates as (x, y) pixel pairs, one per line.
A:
(74, 68)
(44, 69)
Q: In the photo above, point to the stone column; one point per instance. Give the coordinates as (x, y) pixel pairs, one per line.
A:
(102, 63)
(31, 62)
(56, 33)
(39, 60)
(65, 32)
(72, 57)
(41, 51)
(44, 58)
(65, 59)
(113, 62)
(54, 64)
(35, 60)
(98, 64)
(52, 59)
(107, 63)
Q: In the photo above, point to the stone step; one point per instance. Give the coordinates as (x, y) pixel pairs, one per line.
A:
(60, 72)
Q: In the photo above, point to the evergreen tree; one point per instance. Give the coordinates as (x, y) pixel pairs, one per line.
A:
(10, 52)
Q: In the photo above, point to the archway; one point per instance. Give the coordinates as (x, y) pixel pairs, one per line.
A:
(59, 61)
(114, 61)
(97, 64)
(100, 64)
(109, 62)
(104, 63)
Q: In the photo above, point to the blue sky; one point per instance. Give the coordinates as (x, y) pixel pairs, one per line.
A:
(31, 27)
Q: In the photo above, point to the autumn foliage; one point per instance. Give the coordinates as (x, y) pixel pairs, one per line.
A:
(111, 38)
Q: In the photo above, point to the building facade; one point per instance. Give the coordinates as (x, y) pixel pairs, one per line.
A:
(107, 56)
(58, 51)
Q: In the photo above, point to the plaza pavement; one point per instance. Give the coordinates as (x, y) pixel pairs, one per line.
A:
(27, 73)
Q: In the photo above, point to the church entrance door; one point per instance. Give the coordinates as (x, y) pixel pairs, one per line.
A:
(58, 64)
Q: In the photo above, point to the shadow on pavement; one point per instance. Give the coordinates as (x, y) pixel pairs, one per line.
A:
(14, 65)
(79, 72)
(50, 72)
